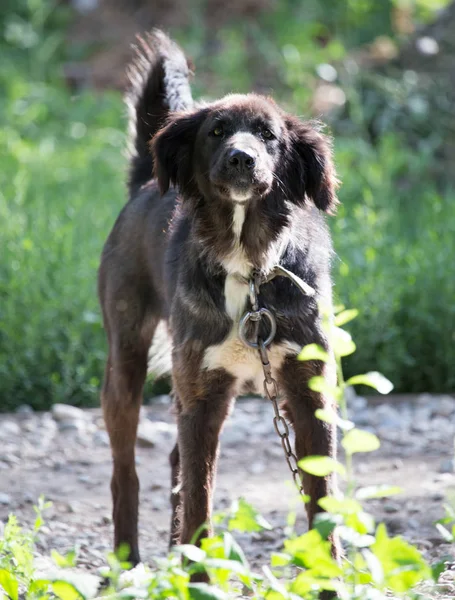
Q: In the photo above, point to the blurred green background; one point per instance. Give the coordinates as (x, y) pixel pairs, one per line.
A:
(381, 74)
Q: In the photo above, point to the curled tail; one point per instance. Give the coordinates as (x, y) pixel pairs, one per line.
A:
(158, 84)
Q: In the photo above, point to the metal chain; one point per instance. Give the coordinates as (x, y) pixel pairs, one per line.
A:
(270, 383)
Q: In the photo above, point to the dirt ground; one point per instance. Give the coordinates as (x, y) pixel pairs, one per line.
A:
(68, 461)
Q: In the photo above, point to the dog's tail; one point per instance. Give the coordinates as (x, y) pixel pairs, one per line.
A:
(158, 84)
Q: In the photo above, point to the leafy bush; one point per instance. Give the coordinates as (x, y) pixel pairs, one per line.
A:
(393, 237)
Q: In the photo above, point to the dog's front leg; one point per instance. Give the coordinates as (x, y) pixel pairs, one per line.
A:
(312, 435)
(199, 426)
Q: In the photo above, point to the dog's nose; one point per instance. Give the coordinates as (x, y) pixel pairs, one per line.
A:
(241, 159)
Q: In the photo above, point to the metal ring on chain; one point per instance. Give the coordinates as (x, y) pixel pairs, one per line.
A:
(249, 316)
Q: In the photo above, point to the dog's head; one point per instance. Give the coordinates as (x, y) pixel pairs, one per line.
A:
(245, 147)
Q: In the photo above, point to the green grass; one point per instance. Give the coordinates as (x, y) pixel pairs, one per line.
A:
(61, 187)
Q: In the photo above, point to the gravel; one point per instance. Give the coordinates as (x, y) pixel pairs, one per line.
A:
(65, 455)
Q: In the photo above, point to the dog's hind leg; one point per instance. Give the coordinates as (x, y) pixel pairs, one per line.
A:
(174, 459)
(125, 375)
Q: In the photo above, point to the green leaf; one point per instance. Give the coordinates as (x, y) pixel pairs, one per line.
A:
(232, 549)
(345, 316)
(342, 342)
(203, 591)
(320, 384)
(374, 566)
(191, 552)
(65, 590)
(330, 416)
(342, 506)
(402, 563)
(69, 560)
(373, 379)
(354, 538)
(361, 522)
(9, 583)
(313, 352)
(321, 465)
(358, 440)
(448, 537)
(279, 559)
(377, 491)
(246, 518)
(438, 568)
(325, 523)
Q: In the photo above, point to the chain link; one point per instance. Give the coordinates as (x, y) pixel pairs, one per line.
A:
(271, 392)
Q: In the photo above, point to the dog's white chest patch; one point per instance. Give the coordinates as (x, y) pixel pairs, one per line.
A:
(235, 294)
(243, 362)
(232, 355)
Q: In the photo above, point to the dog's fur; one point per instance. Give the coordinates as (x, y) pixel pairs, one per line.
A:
(251, 184)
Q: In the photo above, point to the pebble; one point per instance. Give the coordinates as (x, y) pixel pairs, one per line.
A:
(444, 406)
(387, 416)
(9, 429)
(437, 496)
(146, 434)
(72, 425)
(101, 438)
(447, 466)
(234, 435)
(66, 412)
(5, 499)
(25, 410)
(257, 468)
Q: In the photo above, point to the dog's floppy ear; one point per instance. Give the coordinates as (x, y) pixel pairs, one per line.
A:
(173, 148)
(312, 172)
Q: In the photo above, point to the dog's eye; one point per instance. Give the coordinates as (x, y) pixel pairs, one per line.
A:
(218, 131)
(267, 134)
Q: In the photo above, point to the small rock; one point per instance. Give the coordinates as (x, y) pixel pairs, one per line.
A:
(350, 394)
(264, 536)
(394, 524)
(444, 406)
(437, 496)
(442, 425)
(257, 468)
(233, 436)
(24, 410)
(361, 417)
(70, 425)
(419, 426)
(101, 438)
(163, 399)
(387, 416)
(10, 428)
(424, 400)
(390, 508)
(84, 478)
(5, 499)
(274, 451)
(66, 412)
(447, 466)
(146, 434)
(165, 430)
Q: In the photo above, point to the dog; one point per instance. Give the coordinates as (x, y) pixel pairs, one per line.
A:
(217, 191)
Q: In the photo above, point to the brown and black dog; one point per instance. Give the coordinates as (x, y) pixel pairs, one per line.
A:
(240, 185)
